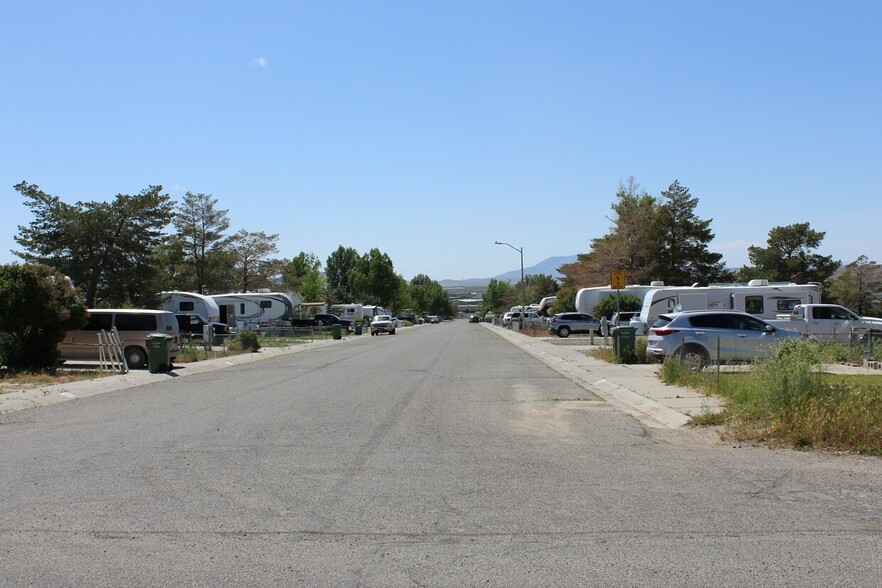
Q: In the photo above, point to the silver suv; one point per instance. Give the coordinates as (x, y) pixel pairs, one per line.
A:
(564, 323)
(695, 337)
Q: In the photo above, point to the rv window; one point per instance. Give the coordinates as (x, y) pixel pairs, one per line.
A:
(671, 304)
(753, 304)
(242, 308)
(266, 303)
(188, 306)
(788, 305)
(98, 322)
(135, 322)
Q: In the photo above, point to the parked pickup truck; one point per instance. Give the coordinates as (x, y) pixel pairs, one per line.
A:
(322, 320)
(828, 322)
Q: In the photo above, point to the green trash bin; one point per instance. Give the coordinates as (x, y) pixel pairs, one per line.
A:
(623, 339)
(358, 328)
(158, 358)
(336, 332)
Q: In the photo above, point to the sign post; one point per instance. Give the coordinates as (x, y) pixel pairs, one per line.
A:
(617, 281)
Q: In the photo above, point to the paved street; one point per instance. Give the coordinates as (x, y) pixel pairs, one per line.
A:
(441, 456)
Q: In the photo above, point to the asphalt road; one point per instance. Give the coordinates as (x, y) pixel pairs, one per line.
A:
(440, 456)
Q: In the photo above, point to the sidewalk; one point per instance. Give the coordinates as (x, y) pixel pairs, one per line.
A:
(53, 394)
(634, 389)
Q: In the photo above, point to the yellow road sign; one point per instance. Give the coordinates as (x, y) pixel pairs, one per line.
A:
(617, 280)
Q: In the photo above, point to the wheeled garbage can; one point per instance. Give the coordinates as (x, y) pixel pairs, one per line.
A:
(336, 332)
(158, 359)
(623, 339)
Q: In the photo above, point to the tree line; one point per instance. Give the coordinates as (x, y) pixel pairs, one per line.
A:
(661, 238)
(122, 253)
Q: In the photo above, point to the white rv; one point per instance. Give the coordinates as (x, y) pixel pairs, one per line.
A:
(250, 310)
(190, 303)
(758, 297)
(349, 312)
(588, 298)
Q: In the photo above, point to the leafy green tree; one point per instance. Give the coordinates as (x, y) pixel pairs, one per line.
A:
(429, 297)
(303, 274)
(201, 231)
(609, 305)
(788, 256)
(37, 306)
(497, 297)
(859, 287)
(566, 300)
(107, 248)
(254, 266)
(373, 280)
(681, 254)
(537, 287)
(338, 274)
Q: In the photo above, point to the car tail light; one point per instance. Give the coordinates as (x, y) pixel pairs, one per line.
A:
(663, 332)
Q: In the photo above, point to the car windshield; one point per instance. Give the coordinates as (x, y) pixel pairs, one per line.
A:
(383, 317)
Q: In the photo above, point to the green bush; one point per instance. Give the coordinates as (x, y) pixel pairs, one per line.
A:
(37, 306)
(248, 340)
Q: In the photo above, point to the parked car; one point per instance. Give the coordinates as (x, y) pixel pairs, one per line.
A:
(132, 325)
(564, 323)
(474, 319)
(383, 323)
(695, 336)
(434, 320)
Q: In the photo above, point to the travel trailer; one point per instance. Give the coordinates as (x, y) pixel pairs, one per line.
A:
(588, 298)
(250, 310)
(759, 298)
(349, 312)
(205, 307)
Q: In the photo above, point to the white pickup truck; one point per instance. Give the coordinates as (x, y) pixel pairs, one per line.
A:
(828, 322)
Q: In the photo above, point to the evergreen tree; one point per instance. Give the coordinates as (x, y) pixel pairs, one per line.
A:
(201, 231)
(106, 248)
(681, 255)
(788, 256)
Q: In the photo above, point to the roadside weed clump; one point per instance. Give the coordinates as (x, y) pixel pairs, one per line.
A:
(786, 398)
(246, 340)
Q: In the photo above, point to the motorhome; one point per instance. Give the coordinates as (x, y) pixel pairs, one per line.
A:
(205, 307)
(759, 298)
(249, 310)
(588, 298)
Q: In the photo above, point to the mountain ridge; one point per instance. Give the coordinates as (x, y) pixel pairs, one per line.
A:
(547, 266)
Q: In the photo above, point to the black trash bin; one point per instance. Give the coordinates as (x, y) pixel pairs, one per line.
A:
(158, 352)
(624, 339)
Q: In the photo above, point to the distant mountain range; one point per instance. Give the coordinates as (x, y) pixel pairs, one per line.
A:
(547, 267)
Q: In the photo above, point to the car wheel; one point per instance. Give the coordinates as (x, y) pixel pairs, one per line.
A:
(393, 331)
(563, 332)
(136, 358)
(694, 357)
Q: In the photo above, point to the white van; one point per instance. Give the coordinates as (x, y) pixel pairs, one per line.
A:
(133, 326)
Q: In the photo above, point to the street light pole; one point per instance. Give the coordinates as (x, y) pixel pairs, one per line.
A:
(523, 302)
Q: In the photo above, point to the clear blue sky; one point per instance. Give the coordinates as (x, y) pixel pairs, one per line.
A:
(431, 129)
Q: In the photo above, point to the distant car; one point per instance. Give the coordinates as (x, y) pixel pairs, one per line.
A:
(695, 336)
(434, 320)
(329, 320)
(564, 323)
(383, 323)
(474, 319)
